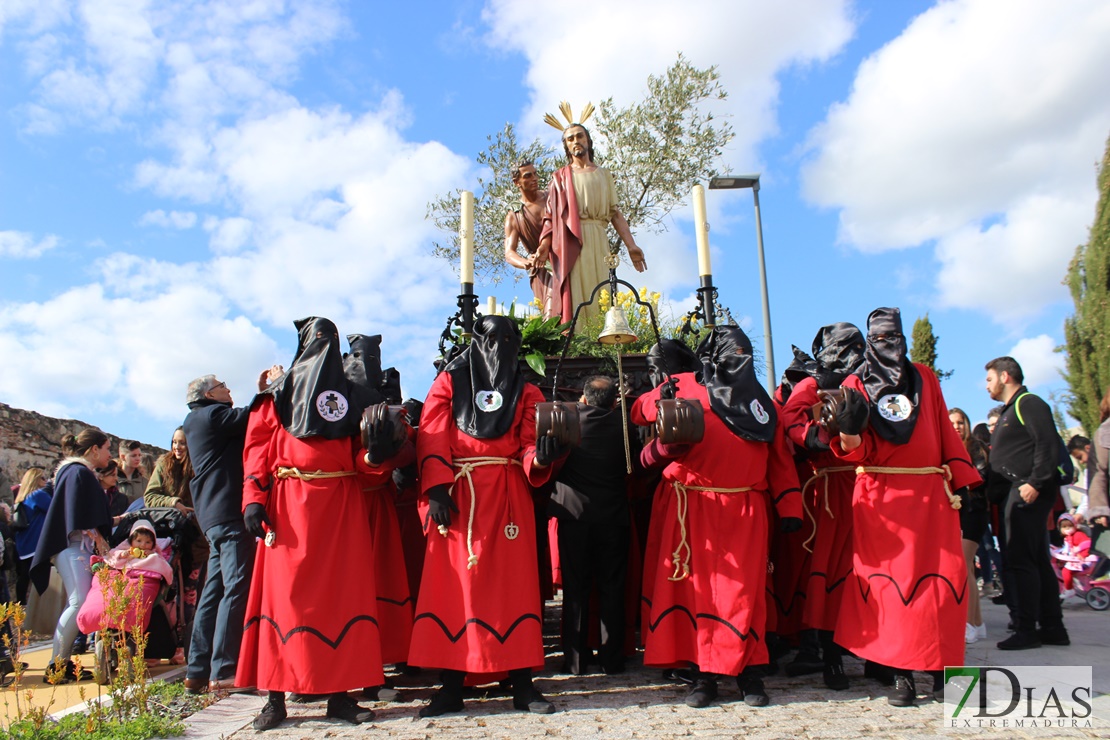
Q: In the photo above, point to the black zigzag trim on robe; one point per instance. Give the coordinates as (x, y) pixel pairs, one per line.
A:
(311, 630)
(866, 592)
(402, 602)
(258, 484)
(782, 609)
(474, 620)
(784, 493)
(836, 584)
(694, 620)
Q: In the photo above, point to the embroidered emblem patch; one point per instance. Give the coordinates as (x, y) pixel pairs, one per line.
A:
(488, 400)
(759, 412)
(331, 405)
(512, 531)
(894, 407)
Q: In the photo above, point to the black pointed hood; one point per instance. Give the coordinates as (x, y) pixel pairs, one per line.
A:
(801, 367)
(486, 379)
(670, 357)
(735, 394)
(838, 349)
(893, 384)
(363, 368)
(313, 398)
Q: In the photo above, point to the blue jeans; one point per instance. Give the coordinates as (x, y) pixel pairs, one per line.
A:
(222, 607)
(73, 566)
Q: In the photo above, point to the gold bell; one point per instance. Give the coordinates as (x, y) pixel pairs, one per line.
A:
(617, 330)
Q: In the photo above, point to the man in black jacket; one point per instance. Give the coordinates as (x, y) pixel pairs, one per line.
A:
(1024, 449)
(591, 503)
(214, 432)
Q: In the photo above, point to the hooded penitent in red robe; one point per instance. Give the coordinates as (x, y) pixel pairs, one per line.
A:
(714, 617)
(485, 617)
(312, 624)
(905, 603)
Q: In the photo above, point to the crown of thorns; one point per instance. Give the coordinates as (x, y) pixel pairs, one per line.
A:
(564, 108)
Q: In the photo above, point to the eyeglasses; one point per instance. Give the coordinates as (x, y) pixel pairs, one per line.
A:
(218, 386)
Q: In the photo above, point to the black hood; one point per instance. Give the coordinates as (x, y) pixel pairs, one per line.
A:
(892, 383)
(363, 368)
(735, 394)
(838, 349)
(313, 398)
(486, 379)
(670, 357)
(801, 367)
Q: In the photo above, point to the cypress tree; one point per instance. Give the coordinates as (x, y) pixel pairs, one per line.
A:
(924, 348)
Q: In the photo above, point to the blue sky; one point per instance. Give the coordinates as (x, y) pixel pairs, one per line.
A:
(179, 181)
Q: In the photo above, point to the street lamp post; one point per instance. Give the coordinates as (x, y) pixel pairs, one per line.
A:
(732, 182)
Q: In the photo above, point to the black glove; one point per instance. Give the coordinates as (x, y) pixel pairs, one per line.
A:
(813, 440)
(381, 443)
(253, 516)
(549, 449)
(669, 389)
(404, 477)
(790, 524)
(852, 413)
(440, 505)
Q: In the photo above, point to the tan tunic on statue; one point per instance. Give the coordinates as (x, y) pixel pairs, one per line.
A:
(595, 196)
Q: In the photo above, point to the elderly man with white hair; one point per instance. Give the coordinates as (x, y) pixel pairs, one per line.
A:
(215, 432)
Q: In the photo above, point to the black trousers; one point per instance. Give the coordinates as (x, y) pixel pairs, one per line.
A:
(1028, 565)
(593, 555)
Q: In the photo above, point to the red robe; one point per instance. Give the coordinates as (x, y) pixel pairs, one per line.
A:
(395, 600)
(562, 224)
(905, 604)
(311, 623)
(486, 618)
(716, 617)
(830, 500)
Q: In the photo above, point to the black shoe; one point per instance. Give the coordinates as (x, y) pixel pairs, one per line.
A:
(751, 688)
(380, 693)
(533, 701)
(834, 676)
(441, 703)
(614, 669)
(68, 674)
(804, 662)
(878, 672)
(904, 691)
(80, 645)
(272, 715)
(1020, 641)
(341, 706)
(999, 599)
(702, 693)
(1053, 636)
(680, 675)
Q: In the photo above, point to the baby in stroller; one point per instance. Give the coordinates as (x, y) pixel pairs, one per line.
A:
(1074, 558)
(144, 562)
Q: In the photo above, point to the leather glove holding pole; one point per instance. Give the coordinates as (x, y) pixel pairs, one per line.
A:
(790, 525)
(852, 412)
(549, 449)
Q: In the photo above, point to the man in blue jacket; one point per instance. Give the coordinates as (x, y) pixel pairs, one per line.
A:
(214, 432)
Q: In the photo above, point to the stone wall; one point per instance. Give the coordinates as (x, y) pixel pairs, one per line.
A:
(29, 439)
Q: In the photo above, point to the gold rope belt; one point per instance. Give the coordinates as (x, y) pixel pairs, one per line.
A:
(943, 470)
(682, 563)
(465, 465)
(824, 474)
(283, 473)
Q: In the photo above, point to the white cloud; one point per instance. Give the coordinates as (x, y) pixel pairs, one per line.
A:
(140, 351)
(1039, 362)
(228, 235)
(979, 127)
(21, 245)
(170, 220)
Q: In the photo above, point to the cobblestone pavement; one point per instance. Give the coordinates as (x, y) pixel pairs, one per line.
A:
(640, 704)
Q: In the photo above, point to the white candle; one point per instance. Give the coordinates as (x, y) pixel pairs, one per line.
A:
(466, 238)
(491, 306)
(701, 229)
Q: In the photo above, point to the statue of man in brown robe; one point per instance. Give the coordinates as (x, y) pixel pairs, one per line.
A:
(522, 229)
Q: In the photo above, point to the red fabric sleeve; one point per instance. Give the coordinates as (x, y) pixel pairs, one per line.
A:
(797, 414)
(953, 452)
(526, 432)
(433, 439)
(259, 453)
(782, 477)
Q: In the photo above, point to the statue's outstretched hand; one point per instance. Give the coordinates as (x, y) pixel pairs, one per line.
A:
(637, 256)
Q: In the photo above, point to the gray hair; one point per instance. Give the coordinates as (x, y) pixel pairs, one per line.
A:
(199, 387)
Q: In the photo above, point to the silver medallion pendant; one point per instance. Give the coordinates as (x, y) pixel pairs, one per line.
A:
(512, 531)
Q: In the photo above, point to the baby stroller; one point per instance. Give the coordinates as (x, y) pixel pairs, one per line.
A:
(1096, 591)
(164, 633)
